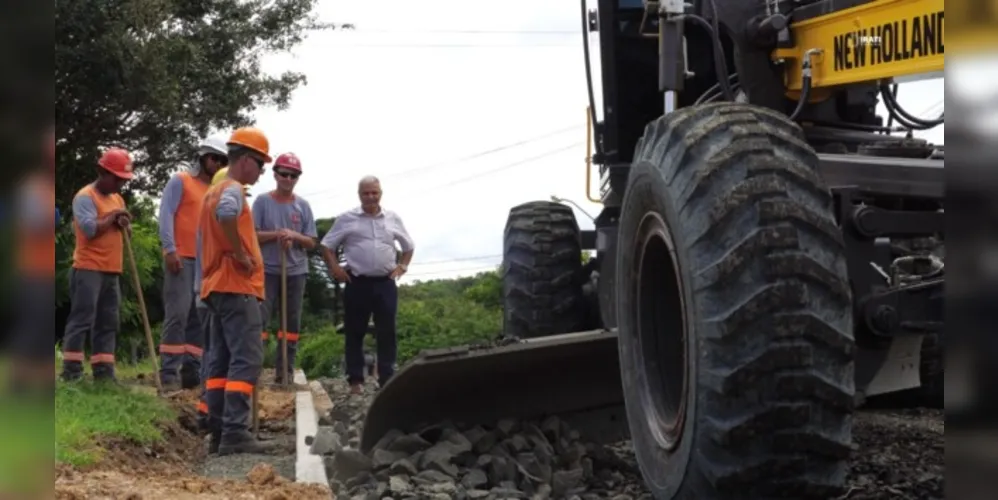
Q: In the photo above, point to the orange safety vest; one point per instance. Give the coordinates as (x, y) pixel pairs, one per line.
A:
(103, 253)
(36, 249)
(220, 272)
(185, 221)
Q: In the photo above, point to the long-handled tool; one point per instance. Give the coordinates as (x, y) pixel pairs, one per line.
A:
(142, 309)
(256, 411)
(284, 320)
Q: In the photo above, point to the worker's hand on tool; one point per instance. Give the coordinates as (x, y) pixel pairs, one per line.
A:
(123, 220)
(285, 237)
(173, 263)
(245, 262)
(115, 216)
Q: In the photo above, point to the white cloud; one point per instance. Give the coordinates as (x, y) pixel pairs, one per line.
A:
(398, 95)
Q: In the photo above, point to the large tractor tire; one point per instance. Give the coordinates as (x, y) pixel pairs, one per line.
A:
(932, 373)
(542, 271)
(734, 311)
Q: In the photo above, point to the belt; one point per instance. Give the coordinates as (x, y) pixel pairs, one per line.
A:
(368, 277)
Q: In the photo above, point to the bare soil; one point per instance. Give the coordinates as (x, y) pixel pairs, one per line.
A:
(175, 468)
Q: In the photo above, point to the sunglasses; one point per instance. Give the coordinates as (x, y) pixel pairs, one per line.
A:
(221, 160)
(259, 163)
(287, 175)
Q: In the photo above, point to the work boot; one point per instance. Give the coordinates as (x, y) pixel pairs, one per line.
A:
(243, 442)
(189, 378)
(214, 439)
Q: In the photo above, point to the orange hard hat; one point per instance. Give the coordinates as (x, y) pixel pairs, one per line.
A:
(289, 161)
(251, 138)
(118, 162)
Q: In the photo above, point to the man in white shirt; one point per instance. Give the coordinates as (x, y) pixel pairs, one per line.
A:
(368, 234)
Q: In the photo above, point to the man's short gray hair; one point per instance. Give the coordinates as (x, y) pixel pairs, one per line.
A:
(368, 179)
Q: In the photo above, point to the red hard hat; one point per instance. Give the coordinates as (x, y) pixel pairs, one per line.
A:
(117, 161)
(289, 161)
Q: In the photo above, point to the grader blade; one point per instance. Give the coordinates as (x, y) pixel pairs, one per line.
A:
(575, 376)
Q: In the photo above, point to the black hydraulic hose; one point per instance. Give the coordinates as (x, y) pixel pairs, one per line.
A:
(890, 117)
(720, 62)
(589, 76)
(805, 91)
(904, 122)
(903, 116)
(720, 59)
(709, 94)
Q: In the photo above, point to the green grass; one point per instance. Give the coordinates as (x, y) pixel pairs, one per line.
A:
(87, 413)
(26, 435)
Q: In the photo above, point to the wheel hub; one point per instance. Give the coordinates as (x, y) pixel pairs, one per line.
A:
(661, 331)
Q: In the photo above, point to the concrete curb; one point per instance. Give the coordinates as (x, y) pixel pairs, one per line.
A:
(309, 468)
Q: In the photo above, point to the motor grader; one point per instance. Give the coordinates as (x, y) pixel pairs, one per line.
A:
(769, 253)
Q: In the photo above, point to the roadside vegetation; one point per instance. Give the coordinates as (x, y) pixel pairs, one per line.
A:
(90, 416)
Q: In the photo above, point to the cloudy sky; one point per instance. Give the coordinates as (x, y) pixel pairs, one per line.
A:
(462, 116)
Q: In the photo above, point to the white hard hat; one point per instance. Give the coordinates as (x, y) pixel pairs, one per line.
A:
(213, 145)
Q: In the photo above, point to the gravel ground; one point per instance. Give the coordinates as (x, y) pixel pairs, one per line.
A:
(899, 456)
(277, 425)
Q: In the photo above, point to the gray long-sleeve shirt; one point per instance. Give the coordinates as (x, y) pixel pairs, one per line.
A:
(169, 203)
(368, 241)
(85, 213)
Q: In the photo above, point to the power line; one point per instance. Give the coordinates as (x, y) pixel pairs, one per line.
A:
(508, 166)
(450, 45)
(486, 152)
(474, 156)
(459, 259)
(478, 269)
(351, 27)
(470, 32)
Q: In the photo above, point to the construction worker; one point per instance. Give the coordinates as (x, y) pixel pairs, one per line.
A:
(32, 363)
(232, 285)
(99, 217)
(203, 311)
(180, 346)
(284, 223)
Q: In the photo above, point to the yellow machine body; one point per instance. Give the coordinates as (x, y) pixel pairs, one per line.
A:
(878, 40)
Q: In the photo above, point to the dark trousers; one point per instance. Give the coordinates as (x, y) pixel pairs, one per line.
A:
(235, 362)
(93, 310)
(363, 297)
(205, 316)
(271, 308)
(180, 348)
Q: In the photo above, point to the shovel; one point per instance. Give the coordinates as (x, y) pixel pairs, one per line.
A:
(142, 309)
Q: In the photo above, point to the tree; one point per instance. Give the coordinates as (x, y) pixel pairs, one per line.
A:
(154, 76)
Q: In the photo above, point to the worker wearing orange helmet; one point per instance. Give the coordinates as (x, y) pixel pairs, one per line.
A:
(99, 217)
(284, 223)
(232, 286)
(32, 363)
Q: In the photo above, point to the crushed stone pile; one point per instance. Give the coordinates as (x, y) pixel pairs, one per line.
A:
(510, 459)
